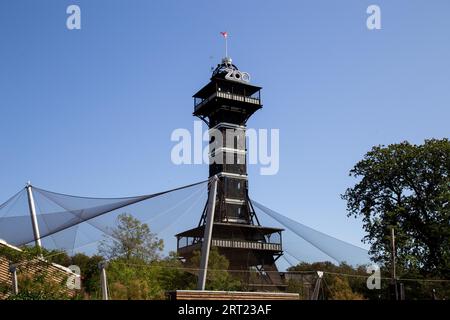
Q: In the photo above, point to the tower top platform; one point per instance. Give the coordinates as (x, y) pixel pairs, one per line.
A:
(228, 86)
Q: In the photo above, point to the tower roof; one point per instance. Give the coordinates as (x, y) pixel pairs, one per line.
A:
(219, 75)
(223, 67)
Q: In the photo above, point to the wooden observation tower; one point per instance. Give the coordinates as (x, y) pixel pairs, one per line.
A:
(225, 104)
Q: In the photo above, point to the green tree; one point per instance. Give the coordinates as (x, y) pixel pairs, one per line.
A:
(218, 276)
(406, 187)
(173, 276)
(133, 252)
(340, 282)
(341, 290)
(90, 274)
(132, 239)
(134, 280)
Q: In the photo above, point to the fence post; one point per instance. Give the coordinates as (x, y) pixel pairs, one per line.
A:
(15, 285)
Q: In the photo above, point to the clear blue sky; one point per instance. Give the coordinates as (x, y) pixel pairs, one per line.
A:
(90, 112)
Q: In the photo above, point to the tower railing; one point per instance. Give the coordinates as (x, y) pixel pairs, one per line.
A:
(253, 99)
(189, 243)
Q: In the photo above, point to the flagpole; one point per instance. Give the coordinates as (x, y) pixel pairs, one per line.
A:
(225, 35)
(226, 46)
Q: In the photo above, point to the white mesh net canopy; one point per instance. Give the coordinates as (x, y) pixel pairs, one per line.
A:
(77, 224)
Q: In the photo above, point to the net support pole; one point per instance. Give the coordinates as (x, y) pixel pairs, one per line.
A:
(15, 285)
(103, 280)
(315, 295)
(206, 245)
(34, 222)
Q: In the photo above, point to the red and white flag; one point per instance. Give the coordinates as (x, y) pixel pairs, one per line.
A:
(224, 34)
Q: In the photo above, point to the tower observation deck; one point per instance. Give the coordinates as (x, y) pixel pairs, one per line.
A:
(225, 104)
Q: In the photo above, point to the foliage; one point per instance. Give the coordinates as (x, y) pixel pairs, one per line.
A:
(341, 290)
(131, 240)
(39, 286)
(406, 187)
(340, 282)
(140, 280)
(218, 278)
(172, 275)
(90, 280)
(133, 280)
(135, 270)
(34, 280)
(26, 253)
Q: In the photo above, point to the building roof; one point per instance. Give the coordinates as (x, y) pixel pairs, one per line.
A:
(62, 268)
(6, 244)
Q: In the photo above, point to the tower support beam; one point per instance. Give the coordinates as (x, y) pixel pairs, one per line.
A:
(206, 245)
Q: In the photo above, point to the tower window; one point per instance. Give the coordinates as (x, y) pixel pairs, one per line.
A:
(239, 186)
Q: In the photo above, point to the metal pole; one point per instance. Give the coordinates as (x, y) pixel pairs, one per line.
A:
(394, 271)
(315, 295)
(402, 291)
(226, 46)
(207, 235)
(15, 285)
(103, 280)
(394, 276)
(34, 222)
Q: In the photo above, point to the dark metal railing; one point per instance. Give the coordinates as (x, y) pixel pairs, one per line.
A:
(254, 99)
(185, 242)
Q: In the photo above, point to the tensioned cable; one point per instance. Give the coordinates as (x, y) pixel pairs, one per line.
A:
(284, 272)
(250, 271)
